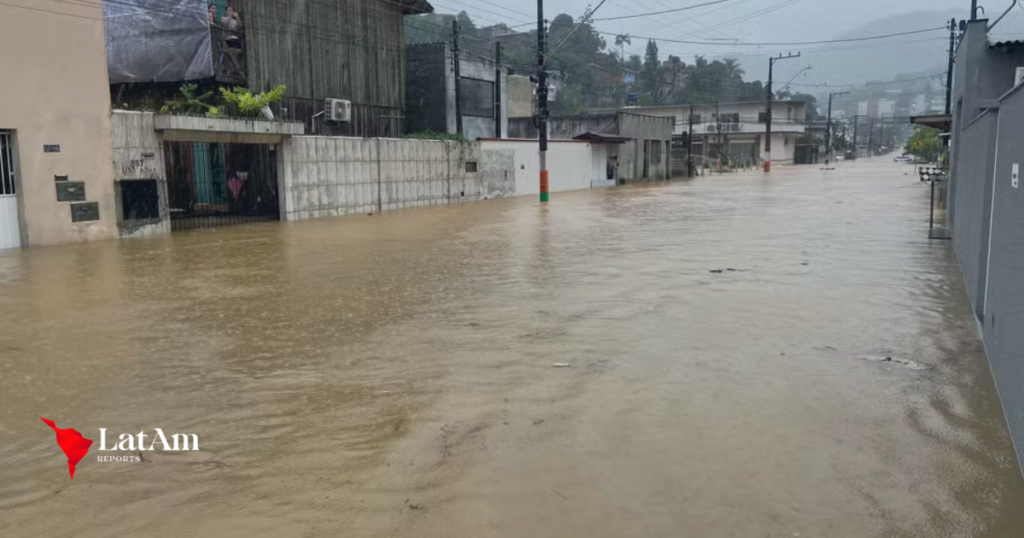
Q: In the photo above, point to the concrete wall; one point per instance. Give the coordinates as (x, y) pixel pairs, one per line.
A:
(1003, 315)
(986, 208)
(980, 76)
(565, 127)
(430, 91)
(520, 97)
(139, 154)
(334, 176)
(646, 131)
(973, 203)
(475, 67)
(569, 164)
(55, 92)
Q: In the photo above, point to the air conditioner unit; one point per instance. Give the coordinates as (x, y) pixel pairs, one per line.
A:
(1020, 76)
(339, 110)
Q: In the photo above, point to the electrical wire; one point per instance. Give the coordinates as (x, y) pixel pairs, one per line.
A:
(790, 43)
(653, 13)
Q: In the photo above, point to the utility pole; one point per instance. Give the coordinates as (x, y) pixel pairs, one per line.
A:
(974, 10)
(855, 146)
(718, 138)
(828, 127)
(457, 65)
(949, 70)
(497, 89)
(690, 168)
(542, 101)
(871, 134)
(768, 118)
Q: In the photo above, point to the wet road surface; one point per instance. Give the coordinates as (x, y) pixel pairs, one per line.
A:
(746, 357)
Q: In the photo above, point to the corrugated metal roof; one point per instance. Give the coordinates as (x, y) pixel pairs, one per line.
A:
(1007, 44)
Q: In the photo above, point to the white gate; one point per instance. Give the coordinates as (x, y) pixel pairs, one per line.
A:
(10, 232)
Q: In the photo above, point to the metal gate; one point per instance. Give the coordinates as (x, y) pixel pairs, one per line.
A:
(10, 230)
(212, 185)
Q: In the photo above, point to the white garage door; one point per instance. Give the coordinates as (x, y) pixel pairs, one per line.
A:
(10, 234)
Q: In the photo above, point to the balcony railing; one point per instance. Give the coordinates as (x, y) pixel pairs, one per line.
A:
(229, 59)
(724, 127)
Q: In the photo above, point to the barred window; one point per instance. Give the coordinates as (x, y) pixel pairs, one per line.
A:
(6, 165)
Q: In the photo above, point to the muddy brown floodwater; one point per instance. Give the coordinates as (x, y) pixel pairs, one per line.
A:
(724, 348)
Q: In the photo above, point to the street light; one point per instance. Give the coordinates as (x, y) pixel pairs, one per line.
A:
(798, 73)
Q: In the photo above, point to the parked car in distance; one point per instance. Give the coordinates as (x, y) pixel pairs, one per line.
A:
(904, 158)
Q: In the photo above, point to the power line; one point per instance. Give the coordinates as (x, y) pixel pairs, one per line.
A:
(870, 84)
(51, 12)
(790, 43)
(756, 14)
(653, 13)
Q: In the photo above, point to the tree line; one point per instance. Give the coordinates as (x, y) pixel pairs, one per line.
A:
(591, 72)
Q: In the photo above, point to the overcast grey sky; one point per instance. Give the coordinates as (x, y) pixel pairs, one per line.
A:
(781, 21)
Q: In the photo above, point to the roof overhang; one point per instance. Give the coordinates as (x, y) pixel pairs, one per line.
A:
(602, 138)
(415, 7)
(942, 122)
(226, 130)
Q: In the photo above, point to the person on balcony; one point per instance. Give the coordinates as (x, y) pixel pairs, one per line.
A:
(211, 14)
(231, 21)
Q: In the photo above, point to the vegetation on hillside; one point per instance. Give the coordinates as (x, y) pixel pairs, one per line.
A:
(590, 69)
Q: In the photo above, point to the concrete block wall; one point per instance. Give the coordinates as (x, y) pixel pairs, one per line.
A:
(417, 173)
(139, 154)
(335, 176)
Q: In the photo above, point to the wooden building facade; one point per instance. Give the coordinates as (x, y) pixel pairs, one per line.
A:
(340, 49)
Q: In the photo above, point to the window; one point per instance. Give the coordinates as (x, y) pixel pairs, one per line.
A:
(730, 118)
(696, 119)
(762, 117)
(655, 146)
(477, 98)
(140, 200)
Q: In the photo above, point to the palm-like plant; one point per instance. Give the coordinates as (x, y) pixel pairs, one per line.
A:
(621, 41)
(733, 71)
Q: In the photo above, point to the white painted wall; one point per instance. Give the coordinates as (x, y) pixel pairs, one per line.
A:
(570, 164)
(782, 153)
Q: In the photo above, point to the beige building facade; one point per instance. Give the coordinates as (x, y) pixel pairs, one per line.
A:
(57, 171)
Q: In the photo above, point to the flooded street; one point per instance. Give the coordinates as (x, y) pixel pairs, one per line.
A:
(737, 356)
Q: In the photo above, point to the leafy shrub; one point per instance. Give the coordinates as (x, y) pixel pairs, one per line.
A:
(190, 103)
(249, 104)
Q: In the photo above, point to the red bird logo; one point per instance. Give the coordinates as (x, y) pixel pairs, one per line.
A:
(72, 443)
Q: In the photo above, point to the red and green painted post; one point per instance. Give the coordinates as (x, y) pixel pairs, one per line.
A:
(542, 102)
